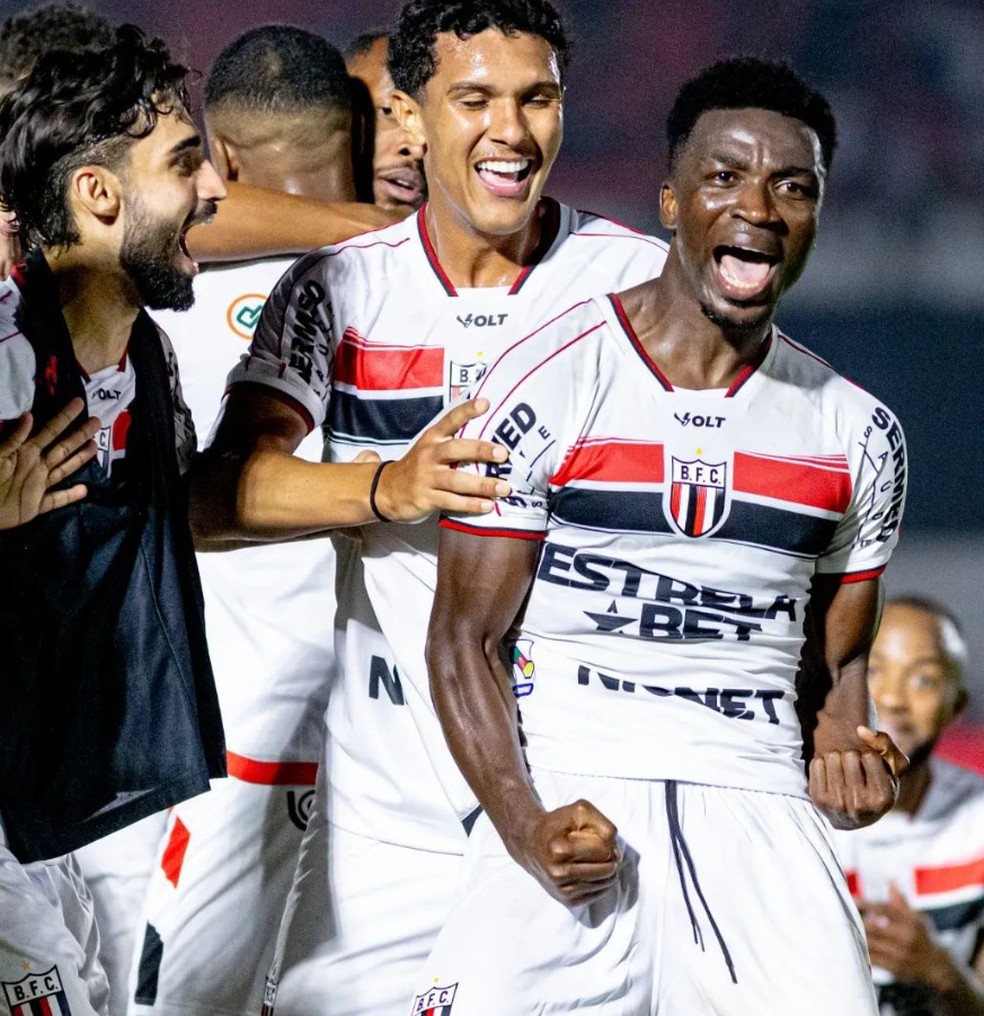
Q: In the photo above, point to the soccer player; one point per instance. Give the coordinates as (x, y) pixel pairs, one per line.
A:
(918, 876)
(277, 112)
(376, 337)
(100, 611)
(686, 480)
(395, 168)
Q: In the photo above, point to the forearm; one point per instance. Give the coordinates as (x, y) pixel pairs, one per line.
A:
(273, 496)
(478, 712)
(255, 223)
(958, 991)
(845, 707)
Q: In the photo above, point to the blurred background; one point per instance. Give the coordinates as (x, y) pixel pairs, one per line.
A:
(894, 295)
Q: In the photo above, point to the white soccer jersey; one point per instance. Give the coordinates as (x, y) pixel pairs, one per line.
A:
(935, 857)
(372, 338)
(682, 530)
(269, 609)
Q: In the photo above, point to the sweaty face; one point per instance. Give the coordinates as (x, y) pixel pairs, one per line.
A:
(913, 681)
(743, 200)
(492, 121)
(397, 171)
(169, 187)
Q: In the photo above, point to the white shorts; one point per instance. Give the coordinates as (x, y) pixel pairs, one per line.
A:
(117, 869)
(49, 963)
(361, 918)
(734, 905)
(216, 897)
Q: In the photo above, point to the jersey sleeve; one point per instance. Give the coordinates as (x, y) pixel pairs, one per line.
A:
(533, 394)
(867, 534)
(185, 438)
(293, 346)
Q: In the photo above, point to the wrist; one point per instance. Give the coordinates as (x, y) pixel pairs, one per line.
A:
(941, 973)
(374, 495)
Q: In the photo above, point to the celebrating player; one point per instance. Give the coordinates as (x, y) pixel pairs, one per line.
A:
(686, 480)
(917, 875)
(100, 613)
(375, 337)
(277, 113)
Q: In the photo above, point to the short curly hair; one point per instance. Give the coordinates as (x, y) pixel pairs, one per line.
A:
(28, 34)
(411, 51)
(750, 82)
(75, 109)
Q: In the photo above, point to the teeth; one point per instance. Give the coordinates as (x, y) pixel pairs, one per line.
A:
(502, 166)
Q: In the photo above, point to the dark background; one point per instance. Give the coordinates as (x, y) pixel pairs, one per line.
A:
(894, 295)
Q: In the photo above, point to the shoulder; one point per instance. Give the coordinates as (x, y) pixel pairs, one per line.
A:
(592, 236)
(956, 792)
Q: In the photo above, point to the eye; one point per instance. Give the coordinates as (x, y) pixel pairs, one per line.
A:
(923, 682)
(724, 176)
(539, 101)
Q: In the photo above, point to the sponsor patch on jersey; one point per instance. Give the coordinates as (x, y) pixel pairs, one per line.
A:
(699, 498)
(243, 314)
(299, 805)
(463, 376)
(524, 669)
(437, 1001)
(37, 995)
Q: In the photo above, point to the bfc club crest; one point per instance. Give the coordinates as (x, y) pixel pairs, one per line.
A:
(435, 1002)
(37, 995)
(463, 376)
(700, 498)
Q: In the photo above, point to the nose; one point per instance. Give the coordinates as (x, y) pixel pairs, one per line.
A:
(508, 124)
(209, 184)
(754, 203)
(409, 148)
(887, 696)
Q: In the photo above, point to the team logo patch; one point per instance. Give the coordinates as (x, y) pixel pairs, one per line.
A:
(299, 805)
(462, 376)
(37, 995)
(244, 312)
(700, 498)
(524, 669)
(435, 1002)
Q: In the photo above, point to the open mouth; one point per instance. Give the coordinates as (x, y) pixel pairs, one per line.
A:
(505, 177)
(744, 273)
(405, 185)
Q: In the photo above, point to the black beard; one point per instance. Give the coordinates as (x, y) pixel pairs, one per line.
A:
(730, 327)
(147, 256)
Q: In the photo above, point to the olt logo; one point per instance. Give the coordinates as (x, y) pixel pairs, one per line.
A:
(482, 320)
(244, 312)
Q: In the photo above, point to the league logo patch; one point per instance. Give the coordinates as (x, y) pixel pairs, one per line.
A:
(700, 498)
(37, 995)
(299, 805)
(243, 313)
(435, 1002)
(462, 376)
(524, 669)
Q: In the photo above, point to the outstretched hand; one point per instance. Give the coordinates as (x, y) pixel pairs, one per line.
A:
(31, 466)
(425, 480)
(854, 788)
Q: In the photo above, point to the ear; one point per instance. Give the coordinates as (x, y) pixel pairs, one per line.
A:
(406, 109)
(96, 191)
(668, 207)
(223, 156)
(960, 703)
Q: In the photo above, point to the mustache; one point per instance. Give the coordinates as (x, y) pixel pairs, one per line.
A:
(203, 214)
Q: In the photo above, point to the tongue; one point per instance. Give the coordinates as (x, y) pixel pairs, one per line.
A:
(745, 273)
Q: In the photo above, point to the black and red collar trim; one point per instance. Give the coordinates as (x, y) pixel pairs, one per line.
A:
(743, 375)
(549, 229)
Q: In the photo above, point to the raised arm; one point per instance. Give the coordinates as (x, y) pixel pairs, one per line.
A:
(482, 585)
(249, 485)
(255, 223)
(853, 772)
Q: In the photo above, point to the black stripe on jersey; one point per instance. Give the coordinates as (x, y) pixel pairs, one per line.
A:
(626, 511)
(380, 421)
(956, 916)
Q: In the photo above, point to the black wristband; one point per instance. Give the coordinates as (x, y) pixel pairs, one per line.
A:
(372, 492)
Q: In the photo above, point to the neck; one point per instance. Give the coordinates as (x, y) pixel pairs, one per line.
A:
(692, 350)
(478, 260)
(99, 307)
(913, 786)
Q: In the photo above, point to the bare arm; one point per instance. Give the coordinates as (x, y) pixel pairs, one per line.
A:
(249, 485)
(482, 585)
(853, 771)
(253, 222)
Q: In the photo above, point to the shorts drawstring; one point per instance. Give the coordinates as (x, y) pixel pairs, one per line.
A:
(680, 849)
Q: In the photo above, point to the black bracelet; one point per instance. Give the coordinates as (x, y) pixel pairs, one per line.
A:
(372, 492)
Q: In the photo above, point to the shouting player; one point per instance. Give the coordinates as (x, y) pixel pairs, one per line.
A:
(277, 114)
(918, 875)
(685, 480)
(375, 338)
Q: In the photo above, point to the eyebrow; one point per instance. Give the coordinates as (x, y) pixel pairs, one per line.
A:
(462, 87)
(736, 161)
(192, 141)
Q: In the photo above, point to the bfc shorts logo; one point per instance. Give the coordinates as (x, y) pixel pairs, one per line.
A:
(244, 312)
(462, 376)
(524, 669)
(435, 1002)
(37, 995)
(699, 499)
